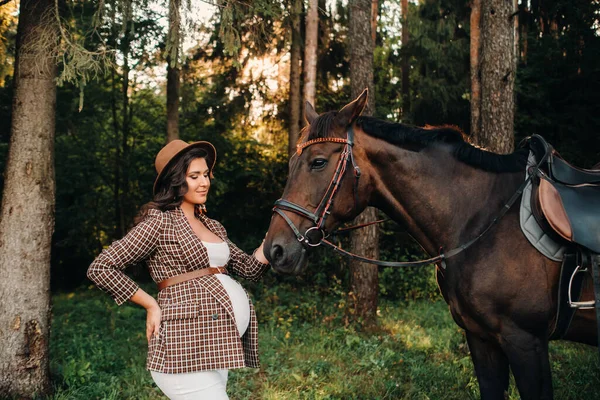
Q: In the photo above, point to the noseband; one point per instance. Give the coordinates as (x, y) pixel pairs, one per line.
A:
(319, 216)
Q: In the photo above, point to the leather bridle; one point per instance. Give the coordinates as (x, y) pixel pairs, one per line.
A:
(319, 216)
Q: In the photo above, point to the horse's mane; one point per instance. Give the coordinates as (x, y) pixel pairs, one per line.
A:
(416, 139)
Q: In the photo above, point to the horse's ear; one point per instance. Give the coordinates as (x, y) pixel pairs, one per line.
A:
(350, 112)
(309, 113)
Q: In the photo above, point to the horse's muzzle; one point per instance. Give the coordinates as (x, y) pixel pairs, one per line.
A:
(286, 259)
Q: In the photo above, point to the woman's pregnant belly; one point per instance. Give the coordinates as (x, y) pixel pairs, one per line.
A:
(239, 301)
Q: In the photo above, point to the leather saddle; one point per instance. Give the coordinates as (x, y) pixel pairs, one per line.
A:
(565, 199)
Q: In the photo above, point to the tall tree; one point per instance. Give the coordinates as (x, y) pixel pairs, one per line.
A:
(475, 70)
(364, 280)
(28, 207)
(405, 62)
(310, 51)
(295, 58)
(173, 69)
(497, 70)
(374, 12)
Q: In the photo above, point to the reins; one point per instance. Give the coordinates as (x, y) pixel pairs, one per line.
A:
(322, 211)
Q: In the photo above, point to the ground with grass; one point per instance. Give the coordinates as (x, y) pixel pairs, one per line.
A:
(308, 351)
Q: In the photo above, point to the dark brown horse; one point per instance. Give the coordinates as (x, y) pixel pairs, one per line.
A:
(501, 290)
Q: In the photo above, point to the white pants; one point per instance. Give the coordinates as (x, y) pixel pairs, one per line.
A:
(203, 385)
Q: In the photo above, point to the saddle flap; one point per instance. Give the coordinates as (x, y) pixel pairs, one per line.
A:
(554, 210)
(572, 211)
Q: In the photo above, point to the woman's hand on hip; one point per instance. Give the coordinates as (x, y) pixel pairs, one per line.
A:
(152, 321)
(153, 311)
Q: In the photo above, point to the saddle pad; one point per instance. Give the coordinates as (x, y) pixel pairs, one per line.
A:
(531, 229)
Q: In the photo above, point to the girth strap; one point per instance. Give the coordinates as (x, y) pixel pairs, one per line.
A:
(596, 276)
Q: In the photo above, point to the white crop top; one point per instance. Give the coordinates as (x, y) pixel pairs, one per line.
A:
(218, 253)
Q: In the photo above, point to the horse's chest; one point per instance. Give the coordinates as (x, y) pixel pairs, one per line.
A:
(464, 308)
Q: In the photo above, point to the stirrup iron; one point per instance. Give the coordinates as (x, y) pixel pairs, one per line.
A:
(580, 305)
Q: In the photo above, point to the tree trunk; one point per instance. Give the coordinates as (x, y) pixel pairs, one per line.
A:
(295, 94)
(123, 163)
(405, 63)
(173, 70)
(374, 12)
(498, 70)
(173, 85)
(310, 51)
(516, 31)
(525, 21)
(475, 71)
(124, 146)
(27, 209)
(365, 284)
(118, 157)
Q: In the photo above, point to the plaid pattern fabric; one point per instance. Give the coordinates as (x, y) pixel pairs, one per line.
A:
(198, 330)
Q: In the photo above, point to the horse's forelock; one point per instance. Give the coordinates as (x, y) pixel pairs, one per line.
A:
(322, 126)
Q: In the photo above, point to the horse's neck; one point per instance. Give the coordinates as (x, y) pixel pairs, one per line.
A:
(442, 201)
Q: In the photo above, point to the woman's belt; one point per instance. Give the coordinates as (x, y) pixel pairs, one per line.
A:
(190, 275)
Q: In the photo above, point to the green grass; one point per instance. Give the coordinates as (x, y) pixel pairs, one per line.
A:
(307, 352)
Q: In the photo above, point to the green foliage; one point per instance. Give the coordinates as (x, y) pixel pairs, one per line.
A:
(556, 97)
(253, 21)
(404, 283)
(558, 81)
(439, 49)
(86, 147)
(307, 351)
(333, 71)
(98, 349)
(8, 31)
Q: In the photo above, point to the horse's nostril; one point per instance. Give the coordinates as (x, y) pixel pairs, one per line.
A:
(276, 253)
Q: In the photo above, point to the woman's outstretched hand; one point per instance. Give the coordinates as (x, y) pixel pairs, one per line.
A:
(259, 255)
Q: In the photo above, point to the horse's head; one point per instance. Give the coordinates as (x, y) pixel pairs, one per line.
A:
(322, 189)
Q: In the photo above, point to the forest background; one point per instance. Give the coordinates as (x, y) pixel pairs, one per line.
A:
(111, 122)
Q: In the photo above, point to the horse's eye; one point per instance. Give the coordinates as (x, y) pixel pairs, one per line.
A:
(319, 163)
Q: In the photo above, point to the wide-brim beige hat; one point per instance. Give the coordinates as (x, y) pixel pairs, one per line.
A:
(169, 154)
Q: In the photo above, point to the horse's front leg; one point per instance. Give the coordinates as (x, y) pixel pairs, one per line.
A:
(530, 364)
(491, 367)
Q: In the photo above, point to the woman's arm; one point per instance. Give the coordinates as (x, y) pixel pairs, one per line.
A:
(106, 270)
(247, 266)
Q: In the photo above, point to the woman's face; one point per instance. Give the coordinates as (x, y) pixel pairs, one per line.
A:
(198, 182)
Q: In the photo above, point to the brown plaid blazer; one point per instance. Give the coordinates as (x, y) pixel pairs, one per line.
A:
(197, 330)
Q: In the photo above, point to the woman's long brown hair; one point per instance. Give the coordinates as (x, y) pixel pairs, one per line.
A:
(172, 186)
